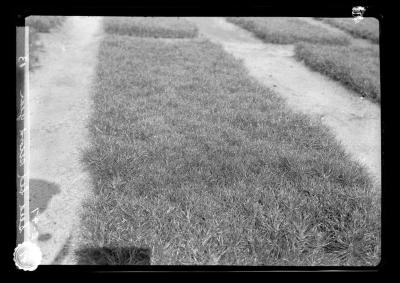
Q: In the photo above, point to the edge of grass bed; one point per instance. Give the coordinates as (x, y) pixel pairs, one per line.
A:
(156, 27)
(356, 72)
(371, 35)
(282, 33)
(353, 74)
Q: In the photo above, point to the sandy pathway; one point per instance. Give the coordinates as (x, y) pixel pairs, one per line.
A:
(355, 121)
(59, 106)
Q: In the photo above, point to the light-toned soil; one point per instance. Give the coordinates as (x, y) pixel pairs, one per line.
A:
(354, 121)
(59, 106)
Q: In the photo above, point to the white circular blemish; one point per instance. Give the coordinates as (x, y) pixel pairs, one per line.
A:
(27, 256)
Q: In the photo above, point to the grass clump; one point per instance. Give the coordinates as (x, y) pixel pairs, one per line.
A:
(355, 67)
(163, 27)
(368, 28)
(197, 162)
(284, 30)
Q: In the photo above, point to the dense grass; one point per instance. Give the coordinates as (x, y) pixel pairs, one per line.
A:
(356, 67)
(282, 30)
(368, 28)
(198, 163)
(165, 27)
(40, 24)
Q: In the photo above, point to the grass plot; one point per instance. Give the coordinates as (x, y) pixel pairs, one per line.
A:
(324, 50)
(164, 27)
(283, 30)
(357, 68)
(368, 28)
(195, 161)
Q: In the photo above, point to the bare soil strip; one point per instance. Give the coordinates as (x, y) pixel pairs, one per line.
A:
(355, 121)
(59, 107)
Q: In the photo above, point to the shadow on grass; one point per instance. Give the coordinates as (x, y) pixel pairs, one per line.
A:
(114, 256)
(44, 237)
(40, 194)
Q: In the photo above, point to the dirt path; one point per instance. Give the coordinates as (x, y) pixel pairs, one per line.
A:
(59, 106)
(354, 121)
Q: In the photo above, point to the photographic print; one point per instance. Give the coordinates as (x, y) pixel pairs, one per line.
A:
(201, 141)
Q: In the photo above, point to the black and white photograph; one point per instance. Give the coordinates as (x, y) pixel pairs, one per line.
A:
(199, 141)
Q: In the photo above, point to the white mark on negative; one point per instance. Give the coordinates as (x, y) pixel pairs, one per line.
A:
(358, 13)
